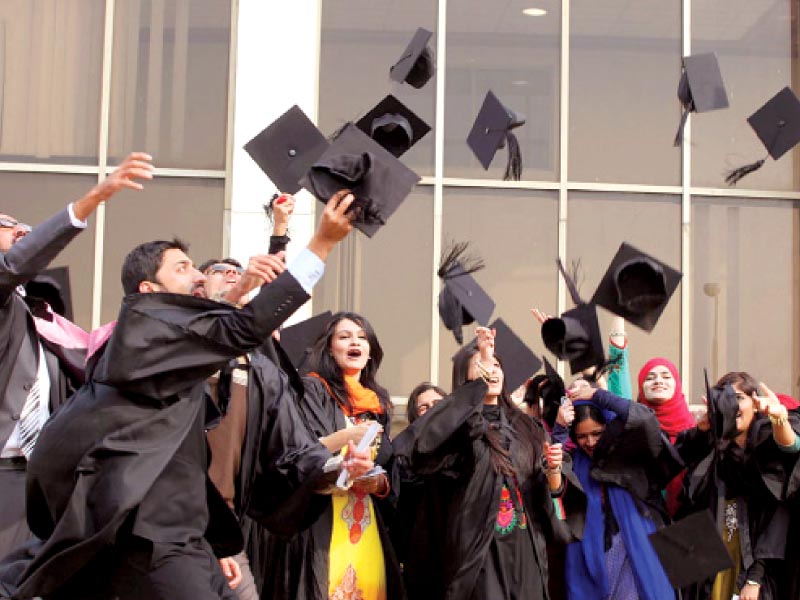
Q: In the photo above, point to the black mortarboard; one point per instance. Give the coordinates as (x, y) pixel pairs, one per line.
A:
(377, 179)
(691, 550)
(552, 393)
(575, 337)
(393, 125)
(519, 362)
(52, 286)
(298, 339)
(416, 65)
(287, 148)
(700, 88)
(492, 130)
(637, 287)
(723, 406)
(462, 301)
(777, 125)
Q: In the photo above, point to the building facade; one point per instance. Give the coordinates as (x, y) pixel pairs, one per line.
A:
(191, 81)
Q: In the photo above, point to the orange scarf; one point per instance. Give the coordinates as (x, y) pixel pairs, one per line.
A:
(362, 399)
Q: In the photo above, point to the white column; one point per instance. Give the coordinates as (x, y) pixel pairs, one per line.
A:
(276, 67)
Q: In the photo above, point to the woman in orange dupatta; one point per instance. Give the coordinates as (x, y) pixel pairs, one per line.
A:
(346, 554)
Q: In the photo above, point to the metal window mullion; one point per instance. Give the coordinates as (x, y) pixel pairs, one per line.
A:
(563, 177)
(686, 216)
(438, 185)
(230, 127)
(105, 110)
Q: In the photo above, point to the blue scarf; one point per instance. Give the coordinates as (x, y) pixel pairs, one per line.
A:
(586, 575)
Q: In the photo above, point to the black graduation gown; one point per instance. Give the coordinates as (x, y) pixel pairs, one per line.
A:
(281, 462)
(97, 458)
(461, 502)
(758, 477)
(297, 567)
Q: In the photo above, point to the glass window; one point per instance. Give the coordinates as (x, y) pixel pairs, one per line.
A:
(624, 72)
(515, 233)
(191, 209)
(758, 58)
(388, 280)
(32, 198)
(51, 64)
(361, 40)
(745, 275)
(494, 46)
(169, 88)
(598, 224)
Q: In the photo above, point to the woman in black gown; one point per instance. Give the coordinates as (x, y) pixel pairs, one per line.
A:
(488, 502)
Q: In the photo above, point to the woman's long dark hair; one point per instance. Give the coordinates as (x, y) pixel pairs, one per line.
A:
(323, 363)
(530, 437)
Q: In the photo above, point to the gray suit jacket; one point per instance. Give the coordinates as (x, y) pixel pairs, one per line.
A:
(19, 350)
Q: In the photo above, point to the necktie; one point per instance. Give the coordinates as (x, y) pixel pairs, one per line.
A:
(30, 420)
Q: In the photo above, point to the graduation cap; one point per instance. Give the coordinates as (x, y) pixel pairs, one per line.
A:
(416, 65)
(393, 125)
(700, 88)
(575, 337)
(777, 125)
(723, 406)
(53, 287)
(492, 130)
(637, 287)
(287, 148)
(462, 301)
(519, 362)
(552, 393)
(377, 179)
(691, 550)
(298, 339)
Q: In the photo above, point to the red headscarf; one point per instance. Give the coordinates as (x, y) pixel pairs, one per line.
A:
(789, 402)
(674, 414)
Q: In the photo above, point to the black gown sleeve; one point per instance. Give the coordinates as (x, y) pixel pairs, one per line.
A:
(289, 469)
(166, 343)
(445, 435)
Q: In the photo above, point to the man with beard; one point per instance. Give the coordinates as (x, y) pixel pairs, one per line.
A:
(35, 378)
(120, 494)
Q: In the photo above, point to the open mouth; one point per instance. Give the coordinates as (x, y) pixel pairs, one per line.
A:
(354, 353)
(494, 380)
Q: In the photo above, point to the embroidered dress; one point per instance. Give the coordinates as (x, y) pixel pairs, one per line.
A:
(356, 568)
(510, 571)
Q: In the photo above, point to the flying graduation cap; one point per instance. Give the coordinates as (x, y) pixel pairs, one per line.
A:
(462, 301)
(287, 148)
(51, 286)
(493, 130)
(298, 339)
(777, 125)
(357, 163)
(691, 550)
(700, 88)
(723, 406)
(575, 337)
(519, 361)
(393, 126)
(637, 287)
(416, 64)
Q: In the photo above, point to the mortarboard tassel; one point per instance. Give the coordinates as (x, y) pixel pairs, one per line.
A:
(733, 177)
(514, 165)
(570, 283)
(679, 135)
